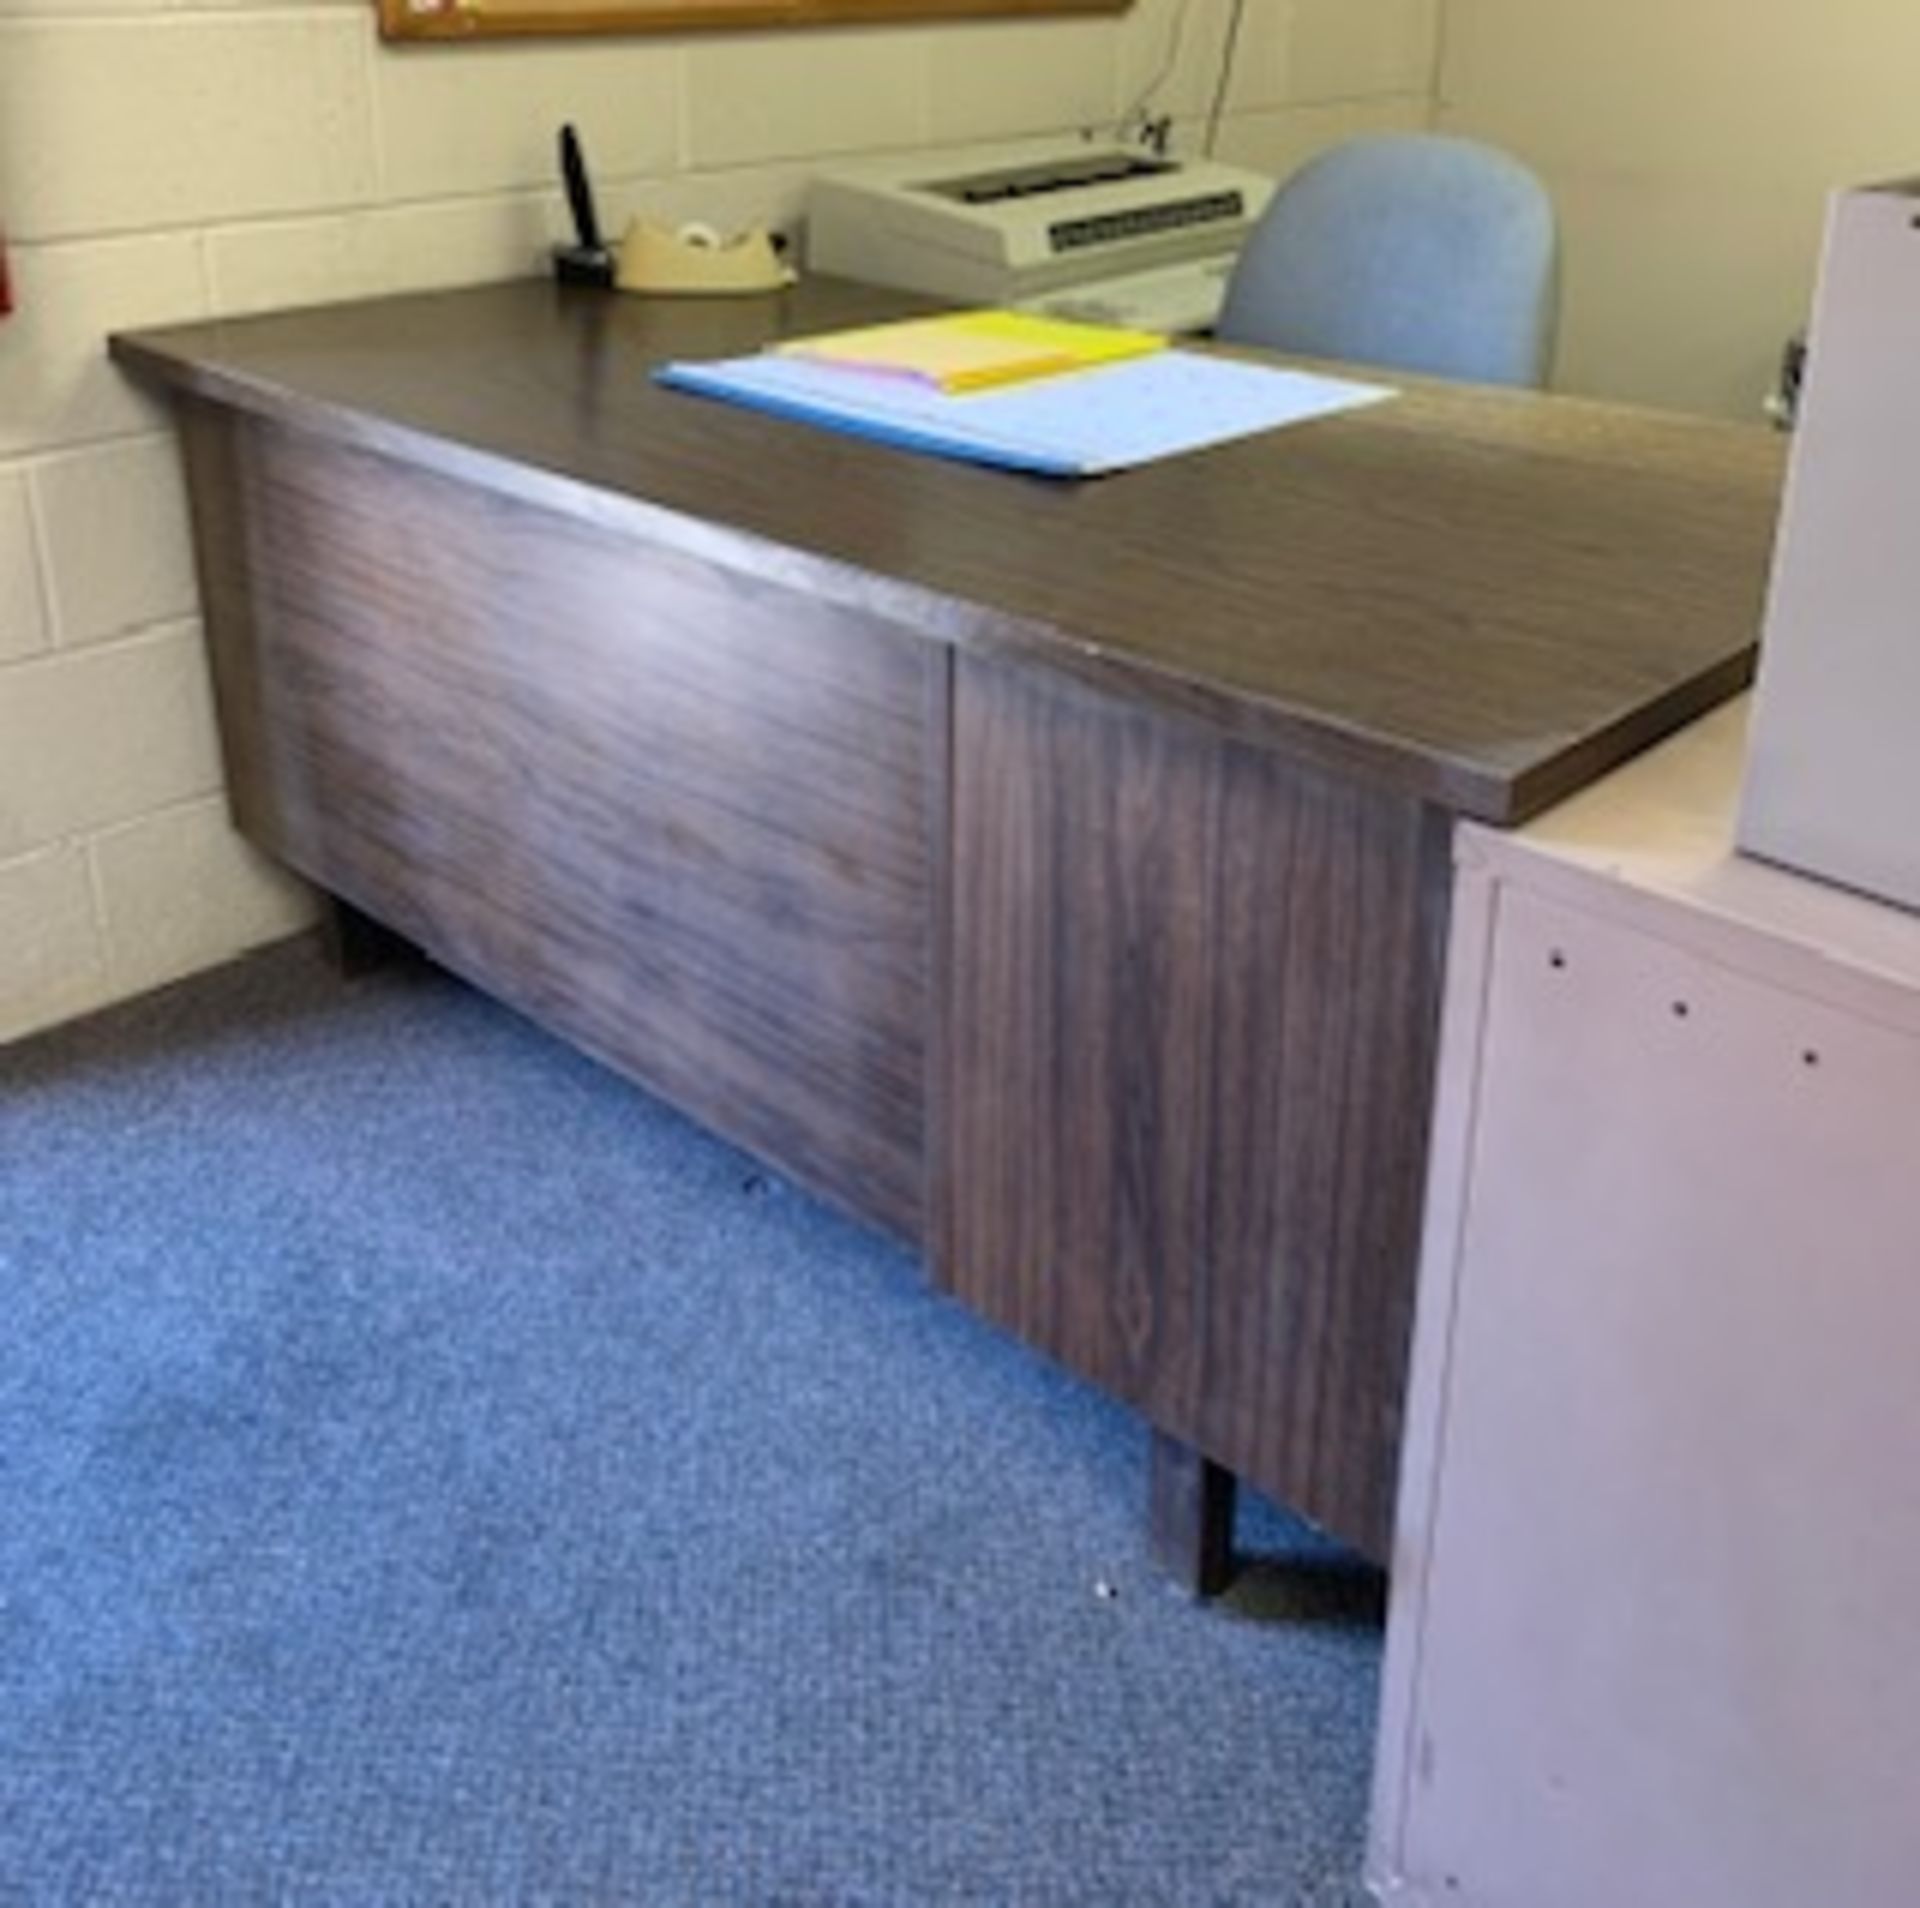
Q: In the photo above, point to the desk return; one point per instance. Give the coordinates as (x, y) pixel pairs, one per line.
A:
(1054, 875)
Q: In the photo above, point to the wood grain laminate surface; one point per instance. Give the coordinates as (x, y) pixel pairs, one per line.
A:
(1480, 598)
(1195, 991)
(678, 815)
(1055, 873)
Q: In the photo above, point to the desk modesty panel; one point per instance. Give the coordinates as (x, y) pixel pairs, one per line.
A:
(1055, 874)
(698, 848)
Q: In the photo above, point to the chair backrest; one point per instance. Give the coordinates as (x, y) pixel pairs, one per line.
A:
(1415, 250)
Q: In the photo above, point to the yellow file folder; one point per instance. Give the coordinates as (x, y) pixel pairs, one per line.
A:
(974, 350)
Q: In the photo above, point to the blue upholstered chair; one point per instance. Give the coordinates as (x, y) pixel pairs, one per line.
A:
(1413, 250)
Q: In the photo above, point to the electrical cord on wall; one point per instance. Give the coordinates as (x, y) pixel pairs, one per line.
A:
(1227, 51)
(1153, 132)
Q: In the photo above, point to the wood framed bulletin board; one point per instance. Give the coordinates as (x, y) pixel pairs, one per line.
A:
(444, 20)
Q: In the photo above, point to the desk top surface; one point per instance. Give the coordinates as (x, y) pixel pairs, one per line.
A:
(1483, 597)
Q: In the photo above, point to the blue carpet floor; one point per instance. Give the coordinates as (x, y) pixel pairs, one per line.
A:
(432, 1472)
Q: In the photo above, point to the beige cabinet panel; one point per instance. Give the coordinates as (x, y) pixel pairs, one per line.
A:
(1656, 1625)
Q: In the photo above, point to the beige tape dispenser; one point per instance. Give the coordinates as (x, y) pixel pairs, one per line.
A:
(696, 260)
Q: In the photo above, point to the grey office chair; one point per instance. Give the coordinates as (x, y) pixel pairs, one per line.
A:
(1413, 250)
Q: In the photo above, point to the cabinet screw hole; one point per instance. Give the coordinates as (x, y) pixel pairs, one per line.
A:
(1556, 959)
(1681, 1010)
(1810, 1057)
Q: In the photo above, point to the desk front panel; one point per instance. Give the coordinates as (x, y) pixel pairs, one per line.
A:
(1194, 1007)
(680, 817)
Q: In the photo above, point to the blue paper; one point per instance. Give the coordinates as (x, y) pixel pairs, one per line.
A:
(1076, 425)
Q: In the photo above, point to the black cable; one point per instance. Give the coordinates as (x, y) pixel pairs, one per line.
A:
(1175, 40)
(1226, 74)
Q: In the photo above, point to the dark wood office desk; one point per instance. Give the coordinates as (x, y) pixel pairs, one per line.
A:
(1054, 874)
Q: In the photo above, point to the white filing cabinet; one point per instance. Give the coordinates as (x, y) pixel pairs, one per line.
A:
(1655, 1629)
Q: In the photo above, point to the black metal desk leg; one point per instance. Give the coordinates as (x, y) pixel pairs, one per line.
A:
(1190, 1516)
(355, 943)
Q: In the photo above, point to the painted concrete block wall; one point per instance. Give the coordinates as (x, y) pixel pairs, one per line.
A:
(1691, 145)
(174, 159)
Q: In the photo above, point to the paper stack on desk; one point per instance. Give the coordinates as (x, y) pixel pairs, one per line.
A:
(1078, 423)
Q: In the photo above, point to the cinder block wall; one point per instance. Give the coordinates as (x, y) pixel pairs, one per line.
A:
(174, 159)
